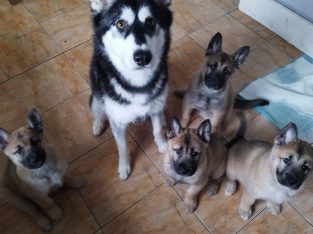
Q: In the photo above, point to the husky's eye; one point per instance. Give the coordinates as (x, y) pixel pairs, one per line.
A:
(213, 66)
(288, 160)
(305, 166)
(120, 24)
(179, 151)
(226, 71)
(19, 150)
(194, 154)
(150, 23)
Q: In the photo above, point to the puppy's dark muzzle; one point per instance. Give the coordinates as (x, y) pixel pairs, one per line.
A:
(214, 82)
(142, 57)
(290, 180)
(185, 168)
(35, 159)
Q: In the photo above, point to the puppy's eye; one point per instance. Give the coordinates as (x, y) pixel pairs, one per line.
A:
(213, 66)
(19, 150)
(194, 154)
(120, 24)
(226, 71)
(150, 23)
(305, 166)
(288, 160)
(179, 151)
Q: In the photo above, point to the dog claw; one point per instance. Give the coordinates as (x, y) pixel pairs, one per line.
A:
(245, 215)
(212, 189)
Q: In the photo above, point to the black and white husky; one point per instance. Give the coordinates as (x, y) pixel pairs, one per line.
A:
(129, 68)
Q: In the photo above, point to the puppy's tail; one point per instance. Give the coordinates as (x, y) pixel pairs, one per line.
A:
(241, 130)
(243, 104)
(179, 93)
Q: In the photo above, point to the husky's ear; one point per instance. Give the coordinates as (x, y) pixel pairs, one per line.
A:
(34, 121)
(99, 5)
(288, 134)
(241, 55)
(215, 45)
(174, 128)
(164, 2)
(4, 138)
(204, 130)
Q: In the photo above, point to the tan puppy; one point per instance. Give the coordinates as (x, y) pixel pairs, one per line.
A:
(211, 93)
(194, 157)
(33, 170)
(273, 173)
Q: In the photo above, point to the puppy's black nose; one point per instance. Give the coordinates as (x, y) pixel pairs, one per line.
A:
(142, 57)
(291, 179)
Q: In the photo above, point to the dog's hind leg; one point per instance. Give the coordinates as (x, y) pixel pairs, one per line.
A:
(28, 208)
(99, 114)
(119, 132)
(159, 139)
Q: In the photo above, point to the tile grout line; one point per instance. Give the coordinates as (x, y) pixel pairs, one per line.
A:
(302, 216)
(89, 150)
(257, 215)
(90, 211)
(135, 203)
(194, 213)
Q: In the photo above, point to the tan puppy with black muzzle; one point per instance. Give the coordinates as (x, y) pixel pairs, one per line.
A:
(194, 157)
(273, 173)
(34, 169)
(210, 92)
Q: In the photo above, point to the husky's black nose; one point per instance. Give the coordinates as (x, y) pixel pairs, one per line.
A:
(142, 57)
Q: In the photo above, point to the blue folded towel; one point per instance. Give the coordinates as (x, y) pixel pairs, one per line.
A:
(290, 92)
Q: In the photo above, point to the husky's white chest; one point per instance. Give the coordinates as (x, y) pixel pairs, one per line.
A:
(139, 107)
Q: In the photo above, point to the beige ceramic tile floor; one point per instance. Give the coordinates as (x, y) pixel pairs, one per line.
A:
(44, 60)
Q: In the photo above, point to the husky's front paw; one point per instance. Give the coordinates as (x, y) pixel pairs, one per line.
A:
(97, 127)
(124, 171)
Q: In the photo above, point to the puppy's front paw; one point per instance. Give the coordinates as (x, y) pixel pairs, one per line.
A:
(230, 188)
(212, 189)
(124, 171)
(169, 182)
(56, 214)
(274, 209)
(44, 224)
(245, 214)
(97, 127)
(190, 205)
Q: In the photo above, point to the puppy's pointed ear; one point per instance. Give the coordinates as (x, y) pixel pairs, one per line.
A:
(34, 121)
(215, 45)
(288, 134)
(174, 128)
(4, 138)
(100, 5)
(241, 55)
(204, 130)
